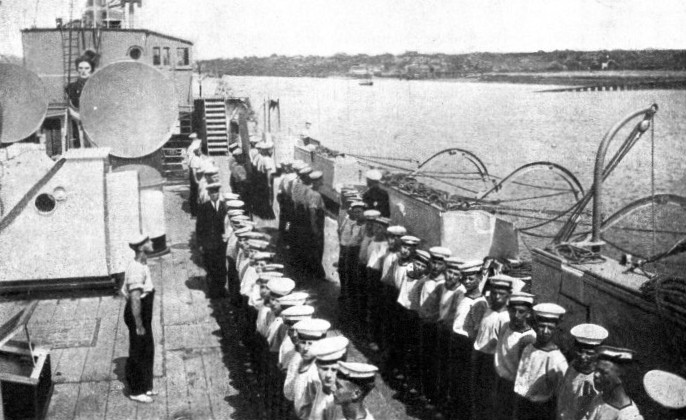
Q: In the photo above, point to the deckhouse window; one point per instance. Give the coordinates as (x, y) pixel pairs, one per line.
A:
(156, 56)
(182, 58)
(165, 57)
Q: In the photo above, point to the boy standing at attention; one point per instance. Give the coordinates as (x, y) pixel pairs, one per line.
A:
(577, 389)
(483, 353)
(541, 367)
(513, 337)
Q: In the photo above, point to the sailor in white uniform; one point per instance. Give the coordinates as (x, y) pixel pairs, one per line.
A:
(577, 390)
(354, 381)
(327, 352)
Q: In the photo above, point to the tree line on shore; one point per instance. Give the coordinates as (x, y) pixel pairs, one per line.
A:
(412, 63)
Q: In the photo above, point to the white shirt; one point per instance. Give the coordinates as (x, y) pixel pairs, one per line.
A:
(291, 373)
(487, 336)
(540, 373)
(509, 350)
(602, 411)
(575, 395)
(305, 388)
(375, 254)
(446, 302)
(264, 320)
(137, 276)
(387, 266)
(467, 320)
(286, 352)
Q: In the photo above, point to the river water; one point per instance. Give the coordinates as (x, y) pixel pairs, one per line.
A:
(506, 125)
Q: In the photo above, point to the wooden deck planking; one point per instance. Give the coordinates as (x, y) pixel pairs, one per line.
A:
(177, 385)
(45, 311)
(98, 365)
(176, 299)
(73, 359)
(218, 384)
(92, 401)
(63, 402)
(197, 385)
(119, 407)
(158, 409)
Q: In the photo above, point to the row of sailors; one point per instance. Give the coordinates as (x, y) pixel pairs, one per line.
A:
(302, 372)
(474, 345)
(301, 217)
(479, 356)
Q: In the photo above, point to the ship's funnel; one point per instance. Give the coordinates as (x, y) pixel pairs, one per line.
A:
(23, 103)
(129, 107)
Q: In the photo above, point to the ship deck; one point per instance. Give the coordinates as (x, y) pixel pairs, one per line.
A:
(200, 365)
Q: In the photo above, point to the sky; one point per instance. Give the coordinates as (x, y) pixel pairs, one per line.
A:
(238, 28)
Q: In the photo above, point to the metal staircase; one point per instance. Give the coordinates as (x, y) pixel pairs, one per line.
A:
(215, 126)
(174, 151)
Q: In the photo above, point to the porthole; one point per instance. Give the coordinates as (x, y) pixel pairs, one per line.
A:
(135, 52)
(45, 203)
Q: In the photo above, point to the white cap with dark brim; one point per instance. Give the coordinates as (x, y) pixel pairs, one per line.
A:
(330, 349)
(589, 334)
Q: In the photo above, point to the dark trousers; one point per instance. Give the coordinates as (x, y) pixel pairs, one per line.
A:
(459, 374)
(503, 398)
(193, 197)
(374, 307)
(214, 260)
(139, 365)
(528, 410)
(428, 359)
(234, 282)
(347, 268)
(482, 378)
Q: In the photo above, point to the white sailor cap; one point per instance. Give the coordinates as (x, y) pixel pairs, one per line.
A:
(261, 256)
(666, 389)
(263, 278)
(239, 217)
(215, 186)
(422, 256)
(211, 170)
(396, 230)
(228, 196)
(410, 240)
(440, 252)
(373, 175)
(453, 262)
(297, 313)
(258, 235)
(521, 298)
(264, 145)
(237, 152)
(548, 310)
(235, 212)
(298, 165)
(589, 334)
(355, 370)
(330, 349)
(294, 299)
(500, 282)
(357, 203)
(371, 214)
(259, 244)
(138, 240)
(235, 204)
(234, 145)
(470, 267)
(272, 267)
(312, 329)
(242, 232)
(193, 136)
(281, 286)
(305, 170)
(384, 221)
(616, 354)
(314, 175)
